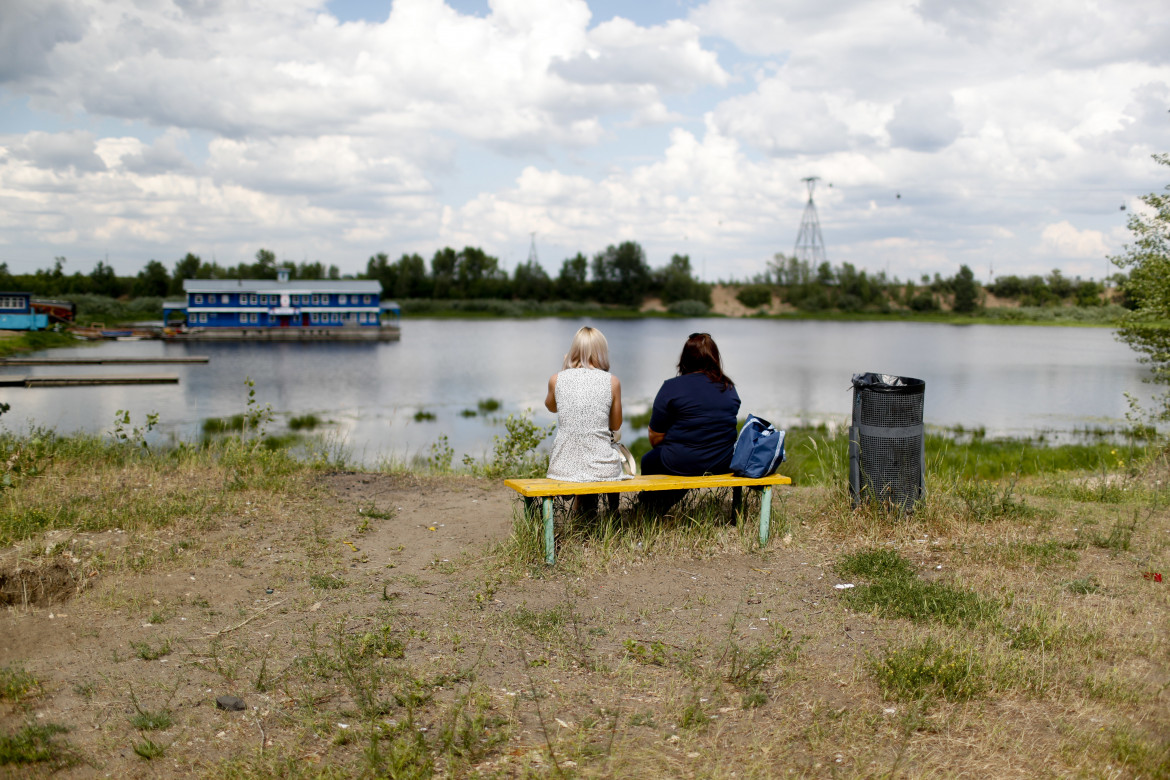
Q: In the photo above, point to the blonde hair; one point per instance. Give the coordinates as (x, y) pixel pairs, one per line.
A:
(589, 350)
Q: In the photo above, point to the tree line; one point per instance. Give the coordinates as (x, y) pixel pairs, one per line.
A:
(826, 287)
(619, 275)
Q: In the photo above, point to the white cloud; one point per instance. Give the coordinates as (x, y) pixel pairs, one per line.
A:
(924, 122)
(620, 52)
(1061, 237)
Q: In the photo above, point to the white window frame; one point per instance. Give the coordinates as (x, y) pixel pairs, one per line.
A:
(341, 299)
(198, 297)
(316, 299)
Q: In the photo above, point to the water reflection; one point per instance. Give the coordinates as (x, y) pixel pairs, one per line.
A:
(1010, 380)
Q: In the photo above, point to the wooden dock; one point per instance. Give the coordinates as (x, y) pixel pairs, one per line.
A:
(100, 361)
(80, 380)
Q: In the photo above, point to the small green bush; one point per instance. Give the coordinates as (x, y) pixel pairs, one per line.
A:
(930, 668)
(875, 564)
(16, 683)
(689, 308)
(304, 422)
(754, 296)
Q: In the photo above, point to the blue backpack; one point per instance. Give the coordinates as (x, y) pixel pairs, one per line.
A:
(758, 450)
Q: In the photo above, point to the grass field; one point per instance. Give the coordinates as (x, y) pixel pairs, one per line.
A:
(403, 624)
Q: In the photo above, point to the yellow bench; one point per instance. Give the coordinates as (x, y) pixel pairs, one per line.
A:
(546, 489)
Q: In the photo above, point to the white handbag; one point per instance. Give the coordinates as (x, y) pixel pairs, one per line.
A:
(629, 465)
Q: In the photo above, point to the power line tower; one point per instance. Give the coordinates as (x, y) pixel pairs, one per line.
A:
(532, 258)
(810, 245)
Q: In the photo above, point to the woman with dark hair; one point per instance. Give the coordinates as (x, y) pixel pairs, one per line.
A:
(692, 425)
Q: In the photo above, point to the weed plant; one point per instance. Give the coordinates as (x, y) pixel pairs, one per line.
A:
(16, 684)
(149, 750)
(36, 744)
(930, 668)
(514, 454)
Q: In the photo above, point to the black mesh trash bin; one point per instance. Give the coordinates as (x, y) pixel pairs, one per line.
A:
(887, 440)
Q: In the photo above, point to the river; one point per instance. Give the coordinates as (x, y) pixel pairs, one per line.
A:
(1010, 380)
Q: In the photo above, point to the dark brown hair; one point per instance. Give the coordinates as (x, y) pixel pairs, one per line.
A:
(701, 356)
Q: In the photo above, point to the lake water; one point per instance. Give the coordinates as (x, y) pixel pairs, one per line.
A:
(1010, 380)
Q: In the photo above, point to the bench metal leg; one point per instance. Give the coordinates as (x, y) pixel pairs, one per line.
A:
(736, 503)
(765, 515)
(550, 550)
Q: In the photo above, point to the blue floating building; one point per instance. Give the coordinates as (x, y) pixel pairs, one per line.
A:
(16, 312)
(279, 309)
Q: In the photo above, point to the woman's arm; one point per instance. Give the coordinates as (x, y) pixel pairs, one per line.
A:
(615, 406)
(550, 400)
(655, 437)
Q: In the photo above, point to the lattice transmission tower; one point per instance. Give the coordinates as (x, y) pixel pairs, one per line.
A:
(810, 244)
(532, 258)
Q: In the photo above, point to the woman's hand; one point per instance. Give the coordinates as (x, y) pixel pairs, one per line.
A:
(550, 400)
(655, 437)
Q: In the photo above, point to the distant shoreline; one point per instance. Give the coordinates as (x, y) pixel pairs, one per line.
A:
(1085, 320)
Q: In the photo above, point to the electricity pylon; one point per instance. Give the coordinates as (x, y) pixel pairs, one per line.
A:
(810, 245)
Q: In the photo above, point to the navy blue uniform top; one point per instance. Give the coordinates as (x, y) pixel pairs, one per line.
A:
(698, 418)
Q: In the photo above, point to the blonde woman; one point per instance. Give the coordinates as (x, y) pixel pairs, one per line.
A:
(587, 400)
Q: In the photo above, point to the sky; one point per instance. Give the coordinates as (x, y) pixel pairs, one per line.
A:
(999, 134)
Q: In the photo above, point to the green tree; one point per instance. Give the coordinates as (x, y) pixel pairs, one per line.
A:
(675, 282)
(307, 270)
(573, 280)
(103, 281)
(379, 269)
(411, 278)
(621, 275)
(190, 267)
(443, 271)
(1146, 328)
(531, 282)
(478, 275)
(153, 280)
(966, 290)
(265, 266)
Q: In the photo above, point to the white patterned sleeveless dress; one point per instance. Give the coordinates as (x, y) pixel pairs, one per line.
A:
(583, 450)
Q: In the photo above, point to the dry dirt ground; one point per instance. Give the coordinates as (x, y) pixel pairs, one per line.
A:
(386, 603)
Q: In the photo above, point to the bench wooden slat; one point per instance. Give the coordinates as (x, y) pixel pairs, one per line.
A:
(546, 489)
(535, 488)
